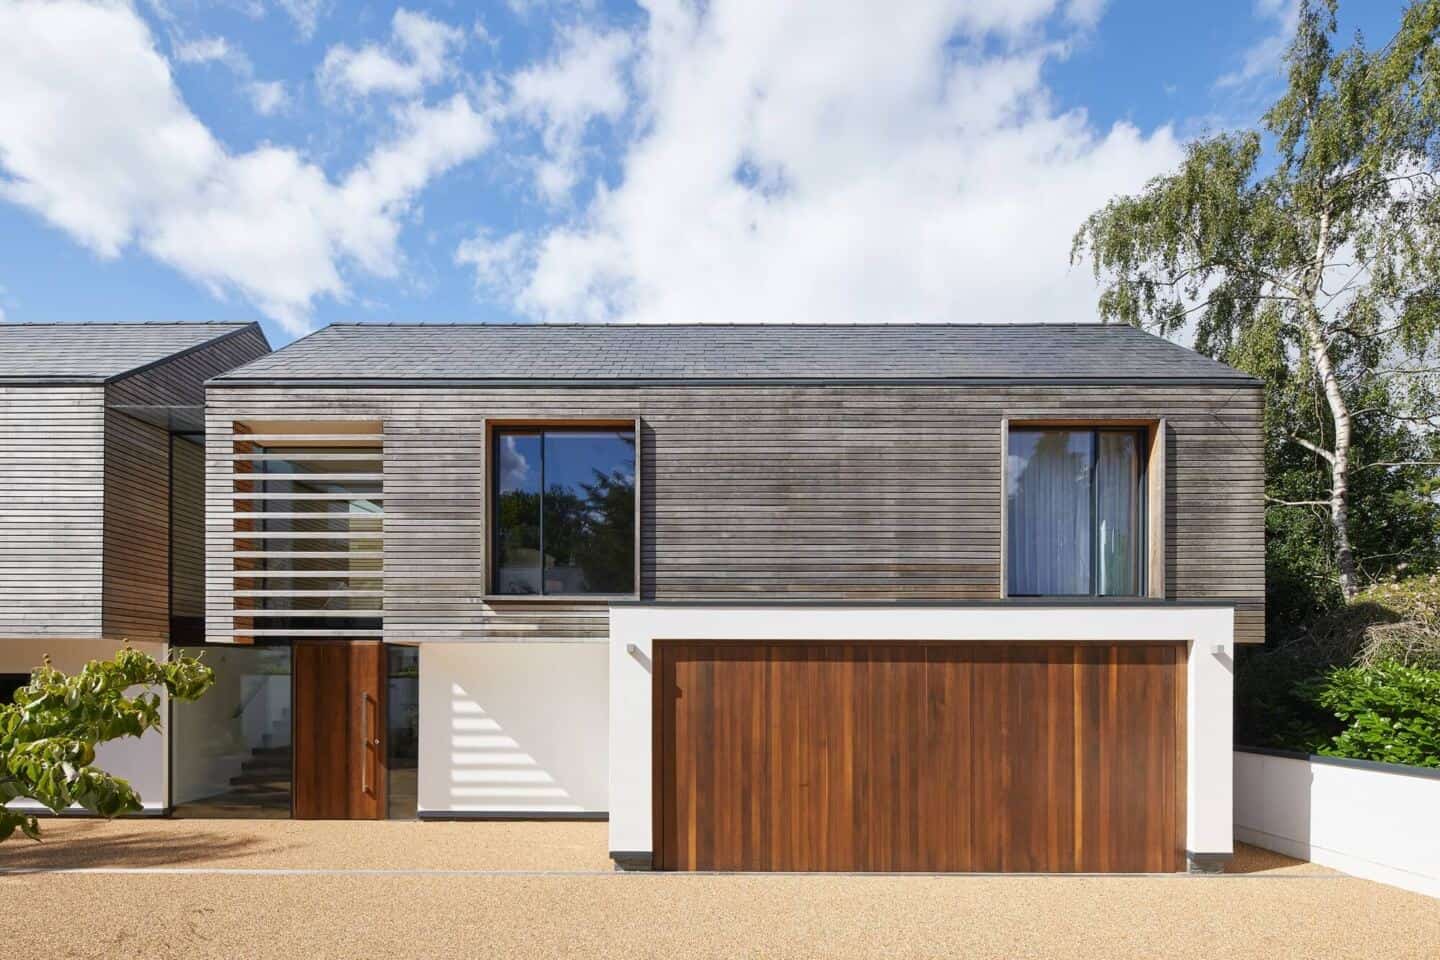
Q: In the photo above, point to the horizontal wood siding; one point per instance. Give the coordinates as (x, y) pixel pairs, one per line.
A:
(764, 493)
(187, 528)
(137, 529)
(52, 452)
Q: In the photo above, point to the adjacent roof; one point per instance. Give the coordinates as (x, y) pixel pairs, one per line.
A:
(614, 354)
(97, 352)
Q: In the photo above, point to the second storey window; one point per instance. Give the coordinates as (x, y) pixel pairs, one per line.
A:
(1075, 521)
(563, 512)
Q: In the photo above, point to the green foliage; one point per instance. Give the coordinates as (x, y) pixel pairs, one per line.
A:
(1390, 713)
(1361, 681)
(49, 732)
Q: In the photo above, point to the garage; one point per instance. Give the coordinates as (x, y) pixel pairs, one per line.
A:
(918, 756)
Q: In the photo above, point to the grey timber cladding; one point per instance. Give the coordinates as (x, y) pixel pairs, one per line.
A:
(754, 352)
(84, 487)
(764, 492)
(52, 491)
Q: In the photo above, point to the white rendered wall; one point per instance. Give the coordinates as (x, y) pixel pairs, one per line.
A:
(514, 729)
(1376, 824)
(142, 761)
(1208, 631)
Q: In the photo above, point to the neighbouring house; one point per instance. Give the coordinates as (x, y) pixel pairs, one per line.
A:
(810, 597)
(102, 473)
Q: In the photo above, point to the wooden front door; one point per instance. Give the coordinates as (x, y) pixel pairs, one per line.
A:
(910, 757)
(339, 730)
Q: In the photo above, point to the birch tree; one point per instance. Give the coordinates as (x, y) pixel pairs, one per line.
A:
(1310, 245)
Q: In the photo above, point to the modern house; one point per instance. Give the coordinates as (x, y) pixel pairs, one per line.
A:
(102, 474)
(803, 597)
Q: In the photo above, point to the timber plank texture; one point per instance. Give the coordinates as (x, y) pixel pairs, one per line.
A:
(838, 492)
(919, 757)
(52, 506)
(84, 487)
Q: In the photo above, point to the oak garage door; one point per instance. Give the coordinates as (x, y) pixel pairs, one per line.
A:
(934, 757)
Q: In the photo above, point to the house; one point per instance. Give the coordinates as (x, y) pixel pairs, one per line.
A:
(101, 505)
(809, 597)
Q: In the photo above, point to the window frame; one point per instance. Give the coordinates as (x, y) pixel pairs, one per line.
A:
(1150, 433)
(496, 426)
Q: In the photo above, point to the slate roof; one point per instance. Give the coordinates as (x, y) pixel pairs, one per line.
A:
(753, 353)
(96, 352)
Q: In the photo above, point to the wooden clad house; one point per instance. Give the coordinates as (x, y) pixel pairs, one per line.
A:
(809, 597)
(101, 486)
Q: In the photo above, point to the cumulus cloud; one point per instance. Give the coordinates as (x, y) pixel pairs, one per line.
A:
(840, 161)
(419, 53)
(305, 14)
(132, 167)
(584, 80)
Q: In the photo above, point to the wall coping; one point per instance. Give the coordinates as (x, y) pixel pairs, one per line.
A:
(1374, 766)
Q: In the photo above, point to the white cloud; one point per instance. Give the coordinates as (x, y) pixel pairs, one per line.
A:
(204, 50)
(583, 81)
(837, 161)
(132, 167)
(268, 97)
(305, 13)
(419, 53)
(1264, 57)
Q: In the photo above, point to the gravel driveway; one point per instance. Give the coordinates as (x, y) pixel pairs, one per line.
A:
(231, 889)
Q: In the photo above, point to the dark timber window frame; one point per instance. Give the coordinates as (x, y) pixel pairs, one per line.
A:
(1152, 435)
(498, 425)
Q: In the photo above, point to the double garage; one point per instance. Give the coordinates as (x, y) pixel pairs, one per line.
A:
(924, 752)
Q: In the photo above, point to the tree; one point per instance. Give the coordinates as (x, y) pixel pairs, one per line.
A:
(49, 732)
(1315, 263)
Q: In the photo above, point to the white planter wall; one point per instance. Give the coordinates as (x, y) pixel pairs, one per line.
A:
(1380, 823)
(513, 729)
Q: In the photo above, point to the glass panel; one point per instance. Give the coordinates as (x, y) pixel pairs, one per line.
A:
(230, 750)
(1048, 527)
(589, 504)
(402, 732)
(517, 514)
(1117, 514)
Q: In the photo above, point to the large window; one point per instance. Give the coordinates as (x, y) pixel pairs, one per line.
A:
(564, 512)
(1076, 513)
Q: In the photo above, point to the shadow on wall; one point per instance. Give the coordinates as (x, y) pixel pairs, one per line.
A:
(520, 729)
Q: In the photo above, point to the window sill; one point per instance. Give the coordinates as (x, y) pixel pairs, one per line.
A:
(593, 599)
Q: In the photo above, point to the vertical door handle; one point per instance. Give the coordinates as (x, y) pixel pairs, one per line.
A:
(367, 741)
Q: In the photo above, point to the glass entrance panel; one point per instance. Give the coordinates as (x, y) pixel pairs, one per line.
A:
(402, 710)
(231, 749)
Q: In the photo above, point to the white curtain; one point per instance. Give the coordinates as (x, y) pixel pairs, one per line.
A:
(1117, 509)
(1048, 528)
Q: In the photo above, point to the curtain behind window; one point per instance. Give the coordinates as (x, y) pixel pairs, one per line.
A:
(1048, 533)
(1117, 510)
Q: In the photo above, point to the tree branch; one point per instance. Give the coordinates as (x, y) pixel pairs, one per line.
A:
(1297, 503)
(1321, 451)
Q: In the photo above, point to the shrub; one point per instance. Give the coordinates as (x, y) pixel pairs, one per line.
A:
(1390, 712)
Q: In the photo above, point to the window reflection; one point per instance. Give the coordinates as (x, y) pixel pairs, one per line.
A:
(565, 512)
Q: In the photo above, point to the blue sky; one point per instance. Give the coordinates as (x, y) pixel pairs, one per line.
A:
(304, 161)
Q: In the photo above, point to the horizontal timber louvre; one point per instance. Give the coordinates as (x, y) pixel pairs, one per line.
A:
(307, 513)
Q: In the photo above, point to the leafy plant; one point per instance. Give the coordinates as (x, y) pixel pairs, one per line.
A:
(1391, 713)
(49, 732)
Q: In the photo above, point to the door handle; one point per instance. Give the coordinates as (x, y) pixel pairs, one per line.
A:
(367, 742)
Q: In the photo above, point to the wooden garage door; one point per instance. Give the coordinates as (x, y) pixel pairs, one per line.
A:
(903, 757)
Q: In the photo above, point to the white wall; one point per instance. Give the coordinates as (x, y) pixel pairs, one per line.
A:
(1376, 824)
(1208, 630)
(141, 761)
(513, 728)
